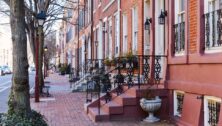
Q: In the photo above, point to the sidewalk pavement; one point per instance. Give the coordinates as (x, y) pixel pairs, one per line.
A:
(65, 108)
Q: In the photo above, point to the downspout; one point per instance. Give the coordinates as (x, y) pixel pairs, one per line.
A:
(78, 42)
(119, 16)
(187, 33)
(92, 23)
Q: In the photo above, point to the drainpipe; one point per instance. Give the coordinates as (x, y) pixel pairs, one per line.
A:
(78, 43)
(119, 16)
(92, 23)
(186, 33)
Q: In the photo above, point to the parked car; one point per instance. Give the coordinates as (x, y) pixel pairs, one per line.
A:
(31, 68)
(1, 71)
(6, 70)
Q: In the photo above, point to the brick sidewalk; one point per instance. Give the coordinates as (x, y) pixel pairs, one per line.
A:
(67, 109)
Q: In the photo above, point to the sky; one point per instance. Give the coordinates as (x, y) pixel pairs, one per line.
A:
(5, 36)
(5, 31)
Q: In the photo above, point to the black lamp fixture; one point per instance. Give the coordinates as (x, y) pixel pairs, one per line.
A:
(147, 24)
(162, 16)
(41, 18)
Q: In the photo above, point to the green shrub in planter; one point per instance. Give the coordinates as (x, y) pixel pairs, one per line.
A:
(63, 70)
(107, 62)
(132, 59)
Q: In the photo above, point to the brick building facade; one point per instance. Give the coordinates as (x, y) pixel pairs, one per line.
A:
(188, 42)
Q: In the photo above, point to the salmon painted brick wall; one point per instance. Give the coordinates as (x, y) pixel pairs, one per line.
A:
(192, 7)
(126, 8)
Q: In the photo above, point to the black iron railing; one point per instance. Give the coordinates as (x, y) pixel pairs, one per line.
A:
(213, 27)
(179, 37)
(214, 112)
(130, 71)
(93, 67)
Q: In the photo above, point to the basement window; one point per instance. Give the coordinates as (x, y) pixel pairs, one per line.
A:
(211, 110)
(178, 102)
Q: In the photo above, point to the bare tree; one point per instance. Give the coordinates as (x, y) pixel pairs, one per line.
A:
(19, 99)
(54, 11)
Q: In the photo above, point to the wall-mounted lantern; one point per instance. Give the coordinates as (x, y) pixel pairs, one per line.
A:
(162, 16)
(147, 24)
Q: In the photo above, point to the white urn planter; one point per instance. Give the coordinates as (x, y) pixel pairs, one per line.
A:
(151, 106)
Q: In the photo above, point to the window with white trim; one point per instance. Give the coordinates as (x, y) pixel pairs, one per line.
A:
(211, 110)
(213, 25)
(110, 38)
(125, 35)
(146, 32)
(178, 102)
(179, 27)
(135, 30)
(116, 34)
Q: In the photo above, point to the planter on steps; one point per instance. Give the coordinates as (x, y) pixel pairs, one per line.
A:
(151, 106)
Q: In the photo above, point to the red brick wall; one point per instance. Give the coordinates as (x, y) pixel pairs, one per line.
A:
(126, 8)
(192, 14)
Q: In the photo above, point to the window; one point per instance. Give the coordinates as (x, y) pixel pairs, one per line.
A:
(178, 103)
(94, 5)
(110, 38)
(211, 110)
(135, 30)
(100, 2)
(179, 27)
(89, 10)
(125, 37)
(213, 25)
(86, 12)
(146, 32)
(182, 6)
(116, 34)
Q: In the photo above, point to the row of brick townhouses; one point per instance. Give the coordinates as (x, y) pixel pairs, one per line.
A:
(186, 46)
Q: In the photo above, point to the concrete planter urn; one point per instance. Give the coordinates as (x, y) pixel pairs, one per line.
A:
(151, 106)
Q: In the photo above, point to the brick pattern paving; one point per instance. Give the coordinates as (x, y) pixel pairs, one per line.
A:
(67, 109)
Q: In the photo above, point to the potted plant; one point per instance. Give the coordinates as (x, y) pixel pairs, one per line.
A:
(62, 70)
(150, 104)
(123, 62)
(107, 62)
(132, 59)
(113, 61)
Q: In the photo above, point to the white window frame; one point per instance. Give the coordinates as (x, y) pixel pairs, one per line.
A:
(89, 10)
(135, 30)
(146, 38)
(206, 110)
(110, 37)
(175, 102)
(180, 17)
(116, 17)
(209, 6)
(100, 3)
(125, 34)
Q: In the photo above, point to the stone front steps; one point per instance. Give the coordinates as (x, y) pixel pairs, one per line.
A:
(125, 106)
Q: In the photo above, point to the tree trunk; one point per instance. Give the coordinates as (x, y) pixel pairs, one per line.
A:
(19, 100)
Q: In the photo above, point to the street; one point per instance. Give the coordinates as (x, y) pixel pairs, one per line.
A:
(5, 86)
